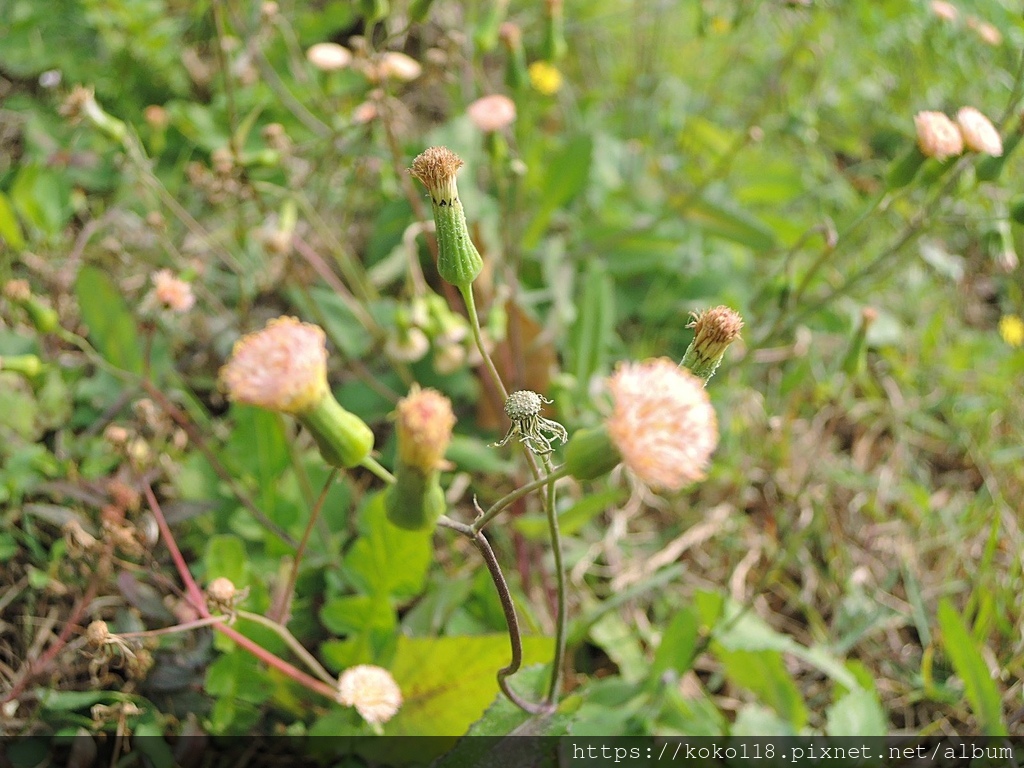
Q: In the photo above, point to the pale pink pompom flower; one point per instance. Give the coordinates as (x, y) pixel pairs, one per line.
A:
(937, 135)
(172, 292)
(329, 57)
(662, 423)
(978, 132)
(944, 10)
(492, 113)
(372, 691)
(281, 368)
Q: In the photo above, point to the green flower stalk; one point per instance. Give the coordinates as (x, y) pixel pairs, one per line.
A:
(516, 72)
(81, 105)
(424, 422)
(714, 330)
(554, 47)
(458, 260)
(43, 317)
(284, 368)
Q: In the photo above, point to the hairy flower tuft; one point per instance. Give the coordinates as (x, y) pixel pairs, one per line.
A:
(436, 168)
(372, 691)
(281, 368)
(937, 135)
(944, 10)
(173, 292)
(424, 424)
(714, 330)
(978, 132)
(492, 113)
(662, 423)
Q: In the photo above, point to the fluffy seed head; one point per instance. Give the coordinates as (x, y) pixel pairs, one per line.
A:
(329, 57)
(424, 423)
(372, 691)
(281, 368)
(937, 135)
(662, 423)
(978, 132)
(492, 113)
(172, 292)
(436, 168)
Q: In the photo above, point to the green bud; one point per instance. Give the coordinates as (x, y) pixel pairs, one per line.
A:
(415, 501)
(44, 318)
(554, 47)
(591, 454)
(714, 330)
(458, 261)
(26, 365)
(343, 438)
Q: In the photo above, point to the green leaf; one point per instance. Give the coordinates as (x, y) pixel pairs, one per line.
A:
(10, 229)
(225, 556)
(41, 196)
(354, 613)
(447, 682)
(730, 222)
(858, 713)
(111, 326)
(764, 673)
(618, 639)
(754, 720)
(386, 559)
(565, 176)
(570, 521)
(259, 447)
(591, 334)
(969, 664)
(678, 644)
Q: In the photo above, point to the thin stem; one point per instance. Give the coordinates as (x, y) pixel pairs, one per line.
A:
(297, 560)
(474, 322)
(296, 647)
(560, 617)
(186, 627)
(509, 609)
(517, 494)
(371, 464)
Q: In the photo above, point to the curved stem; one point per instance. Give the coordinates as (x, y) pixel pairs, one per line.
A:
(296, 647)
(186, 627)
(517, 494)
(560, 616)
(474, 322)
(301, 549)
(509, 609)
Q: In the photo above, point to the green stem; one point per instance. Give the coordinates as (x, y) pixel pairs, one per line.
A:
(474, 322)
(517, 494)
(371, 464)
(297, 560)
(560, 617)
(296, 647)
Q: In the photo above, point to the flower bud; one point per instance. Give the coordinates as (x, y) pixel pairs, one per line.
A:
(424, 422)
(937, 135)
(554, 46)
(26, 365)
(329, 57)
(458, 260)
(415, 500)
(714, 330)
(978, 132)
(492, 113)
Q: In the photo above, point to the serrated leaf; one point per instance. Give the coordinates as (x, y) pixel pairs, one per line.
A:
(448, 682)
(386, 559)
(970, 666)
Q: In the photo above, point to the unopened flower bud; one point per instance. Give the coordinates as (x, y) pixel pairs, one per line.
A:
(27, 365)
(458, 260)
(399, 66)
(424, 422)
(329, 57)
(492, 113)
(81, 105)
(714, 330)
(172, 292)
(221, 590)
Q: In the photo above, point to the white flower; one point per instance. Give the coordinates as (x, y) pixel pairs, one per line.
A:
(328, 57)
(937, 135)
(978, 132)
(372, 691)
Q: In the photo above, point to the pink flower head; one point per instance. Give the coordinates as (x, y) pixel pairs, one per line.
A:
(978, 132)
(372, 691)
(662, 423)
(492, 113)
(328, 57)
(172, 292)
(937, 135)
(944, 10)
(281, 368)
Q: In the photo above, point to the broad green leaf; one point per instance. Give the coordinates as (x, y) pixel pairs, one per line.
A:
(980, 688)
(448, 682)
(764, 673)
(564, 177)
(41, 196)
(595, 323)
(858, 713)
(617, 639)
(386, 559)
(730, 222)
(225, 557)
(10, 229)
(237, 675)
(259, 447)
(471, 454)
(678, 644)
(754, 720)
(352, 614)
(111, 326)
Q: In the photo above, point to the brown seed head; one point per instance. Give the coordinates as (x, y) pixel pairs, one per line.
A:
(436, 168)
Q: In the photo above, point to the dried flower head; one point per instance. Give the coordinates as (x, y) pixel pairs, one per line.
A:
(978, 132)
(937, 135)
(398, 66)
(714, 330)
(945, 11)
(172, 292)
(221, 590)
(424, 425)
(372, 691)
(281, 368)
(436, 167)
(17, 291)
(329, 57)
(662, 423)
(97, 634)
(492, 113)
(523, 410)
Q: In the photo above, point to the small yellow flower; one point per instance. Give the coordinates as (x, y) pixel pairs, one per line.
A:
(545, 78)
(1011, 328)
